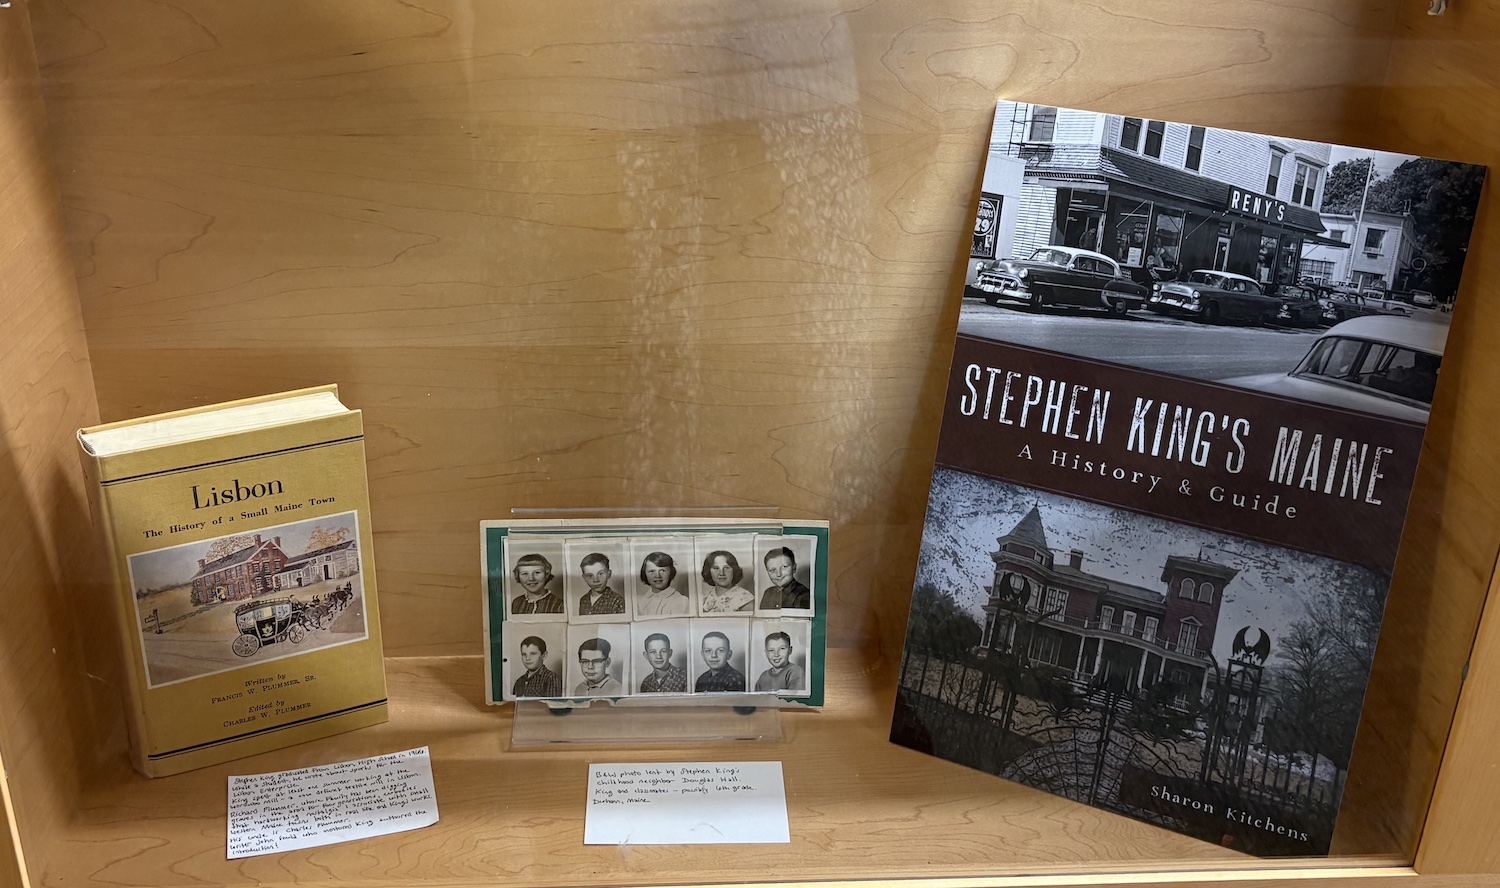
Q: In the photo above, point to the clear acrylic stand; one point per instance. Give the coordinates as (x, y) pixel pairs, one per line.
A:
(634, 723)
(753, 717)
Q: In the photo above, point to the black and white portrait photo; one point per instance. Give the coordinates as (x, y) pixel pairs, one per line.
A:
(598, 574)
(598, 659)
(664, 576)
(721, 654)
(661, 657)
(779, 656)
(726, 574)
(784, 571)
(535, 584)
(534, 659)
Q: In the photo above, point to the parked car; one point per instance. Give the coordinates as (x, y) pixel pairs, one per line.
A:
(1342, 305)
(1423, 299)
(1215, 296)
(1299, 307)
(1386, 365)
(1062, 276)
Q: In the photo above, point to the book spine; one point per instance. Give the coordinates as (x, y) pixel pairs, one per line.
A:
(116, 588)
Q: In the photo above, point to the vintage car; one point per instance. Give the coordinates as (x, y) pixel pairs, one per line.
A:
(1214, 296)
(270, 622)
(1423, 299)
(1299, 307)
(1385, 365)
(1062, 276)
(1342, 305)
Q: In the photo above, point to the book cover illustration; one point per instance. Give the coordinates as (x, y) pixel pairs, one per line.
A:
(1191, 379)
(218, 604)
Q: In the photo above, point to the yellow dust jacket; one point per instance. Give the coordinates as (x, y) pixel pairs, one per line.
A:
(240, 544)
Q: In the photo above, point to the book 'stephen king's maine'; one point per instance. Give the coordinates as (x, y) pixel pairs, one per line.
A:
(240, 543)
(1192, 375)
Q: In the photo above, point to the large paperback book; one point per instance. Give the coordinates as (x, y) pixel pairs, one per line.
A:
(238, 537)
(1192, 375)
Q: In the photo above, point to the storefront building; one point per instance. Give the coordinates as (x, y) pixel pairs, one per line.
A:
(1173, 196)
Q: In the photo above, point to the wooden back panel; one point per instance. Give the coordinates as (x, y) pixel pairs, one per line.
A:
(52, 721)
(583, 255)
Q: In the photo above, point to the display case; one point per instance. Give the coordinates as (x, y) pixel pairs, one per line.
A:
(644, 255)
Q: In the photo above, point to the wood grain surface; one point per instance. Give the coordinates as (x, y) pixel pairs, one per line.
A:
(49, 730)
(1443, 98)
(669, 255)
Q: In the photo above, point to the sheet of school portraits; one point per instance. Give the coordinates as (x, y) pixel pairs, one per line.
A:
(648, 610)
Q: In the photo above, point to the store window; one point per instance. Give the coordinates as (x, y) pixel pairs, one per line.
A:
(1156, 130)
(1043, 124)
(1305, 185)
(1289, 270)
(1130, 134)
(1128, 224)
(1166, 242)
(1194, 159)
(1319, 270)
(1265, 260)
(1273, 178)
(1080, 216)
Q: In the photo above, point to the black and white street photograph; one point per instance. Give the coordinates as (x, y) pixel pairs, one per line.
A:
(1159, 670)
(720, 655)
(664, 576)
(661, 657)
(726, 574)
(535, 585)
(1314, 271)
(779, 663)
(598, 660)
(784, 572)
(598, 580)
(535, 659)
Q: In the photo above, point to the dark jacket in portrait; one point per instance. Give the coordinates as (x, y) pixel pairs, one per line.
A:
(674, 682)
(610, 602)
(551, 603)
(716, 681)
(541, 683)
(792, 596)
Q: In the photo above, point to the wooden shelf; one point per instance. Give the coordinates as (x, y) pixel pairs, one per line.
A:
(646, 254)
(861, 808)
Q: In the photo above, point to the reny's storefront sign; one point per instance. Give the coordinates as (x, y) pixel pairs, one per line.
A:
(986, 226)
(1257, 205)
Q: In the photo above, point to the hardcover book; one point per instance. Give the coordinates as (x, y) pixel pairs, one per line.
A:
(238, 536)
(1192, 375)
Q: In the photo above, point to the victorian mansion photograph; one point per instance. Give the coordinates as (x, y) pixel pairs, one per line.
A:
(1195, 680)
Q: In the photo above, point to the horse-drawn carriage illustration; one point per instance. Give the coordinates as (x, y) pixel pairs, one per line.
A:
(271, 622)
(286, 619)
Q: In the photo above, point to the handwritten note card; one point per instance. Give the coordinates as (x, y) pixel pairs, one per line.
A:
(686, 803)
(286, 810)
